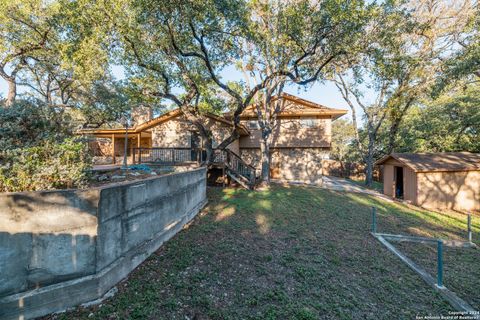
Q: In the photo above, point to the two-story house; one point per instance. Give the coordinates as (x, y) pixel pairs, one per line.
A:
(301, 139)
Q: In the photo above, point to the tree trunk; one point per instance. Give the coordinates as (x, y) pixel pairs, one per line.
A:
(209, 150)
(369, 161)
(392, 137)
(12, 92)
(207, 144)
(265, 160)
(355, 129)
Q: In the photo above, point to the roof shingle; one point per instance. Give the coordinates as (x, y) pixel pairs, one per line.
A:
(442, 161)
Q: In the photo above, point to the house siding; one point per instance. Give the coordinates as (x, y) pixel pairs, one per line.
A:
(290, 133)
(297, 150)
(176, 133)
(297, 164)
(458, 190)
(409, 185)
(388, 177)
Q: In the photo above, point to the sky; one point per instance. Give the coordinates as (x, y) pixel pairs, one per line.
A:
(323, 93)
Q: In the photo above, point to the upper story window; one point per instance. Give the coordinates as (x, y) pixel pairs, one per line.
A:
(309, 123)
(253, 125)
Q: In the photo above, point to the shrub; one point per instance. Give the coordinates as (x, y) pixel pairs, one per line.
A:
(51, 165)
(28, 123)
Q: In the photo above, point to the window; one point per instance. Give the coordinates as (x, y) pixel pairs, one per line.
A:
(253, 124)
(309, 123)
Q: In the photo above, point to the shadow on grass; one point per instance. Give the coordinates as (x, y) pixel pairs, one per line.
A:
(283, 253)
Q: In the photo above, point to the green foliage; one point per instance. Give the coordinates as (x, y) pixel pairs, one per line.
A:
(449, 123)
(465, 62)
(343, 141)
(27, 123)
(104, 103)
(36, 151)
(51, 165)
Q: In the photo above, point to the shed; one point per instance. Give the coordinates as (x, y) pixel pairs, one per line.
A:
(447, 180)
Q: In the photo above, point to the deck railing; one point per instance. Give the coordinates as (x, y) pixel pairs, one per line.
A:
(166, 155)
(171, 156)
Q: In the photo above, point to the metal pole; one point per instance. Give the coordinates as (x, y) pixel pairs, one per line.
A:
(469, 227)
(440, 263)
(374, 220)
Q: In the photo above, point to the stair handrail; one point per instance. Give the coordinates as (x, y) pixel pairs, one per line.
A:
(232, 160)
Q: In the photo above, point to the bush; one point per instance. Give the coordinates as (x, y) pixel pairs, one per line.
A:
(28, 123)
(51, 165)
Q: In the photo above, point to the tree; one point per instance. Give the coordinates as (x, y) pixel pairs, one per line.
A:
(149, 37)
(26, 31)
(449, 123)
(343, 140)
(464, 64)
(273, 42)
(399, 67)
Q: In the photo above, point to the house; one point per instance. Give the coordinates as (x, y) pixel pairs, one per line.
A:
(449, 180)
(301, 139)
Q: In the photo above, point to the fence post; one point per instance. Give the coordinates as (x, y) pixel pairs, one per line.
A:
(469, 227)
(374, 220)
(139, 155)
(440, 263)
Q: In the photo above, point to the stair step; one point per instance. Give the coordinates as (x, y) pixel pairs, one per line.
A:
(239, 180)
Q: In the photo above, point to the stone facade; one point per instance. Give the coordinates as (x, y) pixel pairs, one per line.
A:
(304, 132)
(177, 133)
(300, 140)
(294, 164)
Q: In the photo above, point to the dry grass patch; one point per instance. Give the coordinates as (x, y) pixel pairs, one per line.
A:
(283, 253)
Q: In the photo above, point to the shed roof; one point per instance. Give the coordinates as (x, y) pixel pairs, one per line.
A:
(441, 161)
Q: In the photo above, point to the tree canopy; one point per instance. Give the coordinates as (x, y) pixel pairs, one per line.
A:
(409, 70)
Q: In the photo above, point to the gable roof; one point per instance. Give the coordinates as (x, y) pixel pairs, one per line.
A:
(158, 120)
(442, 161)
(297, 107)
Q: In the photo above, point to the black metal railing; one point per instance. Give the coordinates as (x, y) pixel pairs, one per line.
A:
(232, 161)
(166, 155)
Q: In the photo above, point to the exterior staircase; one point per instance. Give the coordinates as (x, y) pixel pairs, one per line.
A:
(236, 168)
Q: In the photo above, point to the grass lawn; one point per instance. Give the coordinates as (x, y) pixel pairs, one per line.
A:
(287, 253)
(377, 186)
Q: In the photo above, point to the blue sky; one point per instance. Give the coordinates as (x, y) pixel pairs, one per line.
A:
(323, 93)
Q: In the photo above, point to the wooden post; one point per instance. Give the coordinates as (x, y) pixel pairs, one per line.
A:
(131, 150)
(139, 145)
(223, 175)
(113, 148)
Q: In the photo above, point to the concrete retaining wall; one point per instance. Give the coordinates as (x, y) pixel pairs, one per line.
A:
(62, 248)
